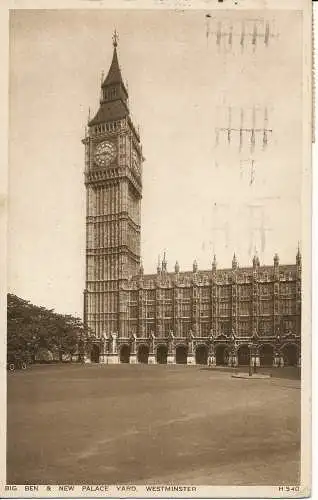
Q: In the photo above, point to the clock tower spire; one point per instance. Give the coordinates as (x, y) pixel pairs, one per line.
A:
(113, 180)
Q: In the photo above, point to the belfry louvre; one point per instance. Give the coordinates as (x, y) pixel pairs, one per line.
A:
(232, 316)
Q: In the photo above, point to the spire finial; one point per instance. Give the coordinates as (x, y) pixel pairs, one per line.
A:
(141, 268)
(115, 38)
(234, 262)
(214, 263)
(298, 256)
(164, 262)
(158, 265)
(256, 261)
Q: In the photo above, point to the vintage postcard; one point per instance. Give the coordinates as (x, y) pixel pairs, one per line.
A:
(157, 290)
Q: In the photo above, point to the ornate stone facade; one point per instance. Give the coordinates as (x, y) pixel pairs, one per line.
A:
(228, 317)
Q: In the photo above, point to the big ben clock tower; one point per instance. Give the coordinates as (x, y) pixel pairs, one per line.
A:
(113, 172)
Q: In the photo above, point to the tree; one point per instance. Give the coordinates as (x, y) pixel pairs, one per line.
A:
(31, 327)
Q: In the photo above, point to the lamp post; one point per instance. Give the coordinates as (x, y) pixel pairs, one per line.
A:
(250, 367)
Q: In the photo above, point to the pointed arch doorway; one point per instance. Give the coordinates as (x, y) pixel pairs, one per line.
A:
(162, 354)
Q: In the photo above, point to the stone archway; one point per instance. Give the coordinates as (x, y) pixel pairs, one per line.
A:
(181, 354)
(124, 353)
(290, 355)
(222, 355)
(201, 355)
(162, 354)
(243, 355)
(266, 355)
(95, 353)
(142, 354)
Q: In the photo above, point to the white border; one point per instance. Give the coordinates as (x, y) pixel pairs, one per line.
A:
(201, 491)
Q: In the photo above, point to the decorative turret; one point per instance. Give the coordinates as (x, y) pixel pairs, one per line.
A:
(164, 263)
(298, 258)
(234, 262)
(276, 266)
(256, 262)
(141, 269)
(177, 267)
(214, 263)
(195, 266)
(158, 265)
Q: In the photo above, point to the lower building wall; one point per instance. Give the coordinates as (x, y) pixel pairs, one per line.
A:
(229, 353)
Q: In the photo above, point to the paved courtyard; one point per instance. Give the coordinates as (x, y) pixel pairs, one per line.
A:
(139, 424)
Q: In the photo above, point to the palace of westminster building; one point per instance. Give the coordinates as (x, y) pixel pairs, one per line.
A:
(232, 316)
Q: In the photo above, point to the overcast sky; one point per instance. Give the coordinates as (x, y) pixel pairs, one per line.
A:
(197, 195)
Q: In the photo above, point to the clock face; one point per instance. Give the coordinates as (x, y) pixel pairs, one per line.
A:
(105, 153)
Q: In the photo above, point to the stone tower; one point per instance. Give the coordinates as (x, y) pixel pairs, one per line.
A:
(113, 173)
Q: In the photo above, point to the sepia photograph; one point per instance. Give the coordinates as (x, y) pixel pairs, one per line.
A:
(158, 250)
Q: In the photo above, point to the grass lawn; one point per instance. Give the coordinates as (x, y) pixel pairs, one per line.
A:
(138, 424)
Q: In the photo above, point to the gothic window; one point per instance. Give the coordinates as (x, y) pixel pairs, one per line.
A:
(150, 294)
(288, 326)
(167, 294)
(133, 311)
(265, 289)
(225, 291)
(205, 328)
(225, 327)
(133, 296)
(245, 291)
(224, 309)
(133, 327)
(150, 311)
(184, 328)
(287, 306)
(150, 327)
(167, 326)
(244, 328)
(186, 293)
(90, 268)
(287, 288)
(266, 307)
(205, 308)
(168, 310)
(245, 308)
(265, 327)
(185, 309)
(205, 292)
